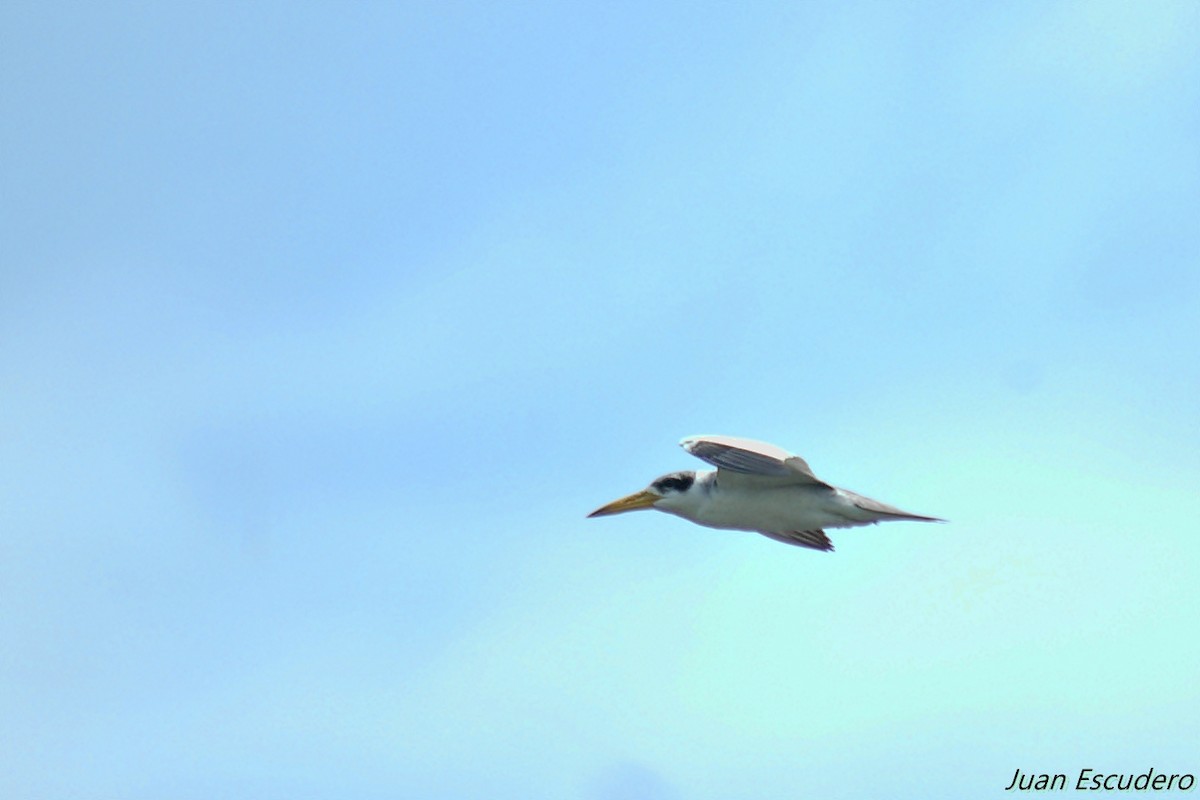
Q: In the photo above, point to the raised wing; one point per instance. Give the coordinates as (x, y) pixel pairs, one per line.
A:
(748, 457)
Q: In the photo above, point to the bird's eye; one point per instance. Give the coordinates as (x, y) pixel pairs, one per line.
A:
(673, 483)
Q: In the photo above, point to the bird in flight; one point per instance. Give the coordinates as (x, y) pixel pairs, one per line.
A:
(758, 487)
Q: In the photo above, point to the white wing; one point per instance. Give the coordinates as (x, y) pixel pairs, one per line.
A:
(751, 458)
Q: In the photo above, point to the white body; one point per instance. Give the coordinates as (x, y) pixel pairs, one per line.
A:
(765, 505)
(758, 487)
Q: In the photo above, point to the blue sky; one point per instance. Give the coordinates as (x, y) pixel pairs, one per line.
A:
(322, 326)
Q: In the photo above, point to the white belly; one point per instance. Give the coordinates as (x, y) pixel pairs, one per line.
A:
(777, 509)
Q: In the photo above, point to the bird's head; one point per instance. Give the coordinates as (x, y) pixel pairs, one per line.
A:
(667, 493)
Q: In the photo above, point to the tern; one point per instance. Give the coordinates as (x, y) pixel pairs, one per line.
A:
(758, 487)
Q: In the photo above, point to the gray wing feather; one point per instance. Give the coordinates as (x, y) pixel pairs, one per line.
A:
(813, 540)
(748, 457)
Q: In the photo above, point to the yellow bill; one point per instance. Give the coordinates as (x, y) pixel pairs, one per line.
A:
(639, 500)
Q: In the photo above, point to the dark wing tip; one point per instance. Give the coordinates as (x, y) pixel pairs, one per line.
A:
(822, 542)
(813, 540)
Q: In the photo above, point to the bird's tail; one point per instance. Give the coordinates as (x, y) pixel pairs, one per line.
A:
(883, 509)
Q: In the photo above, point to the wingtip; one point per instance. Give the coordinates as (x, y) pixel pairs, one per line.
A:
(703, 437)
